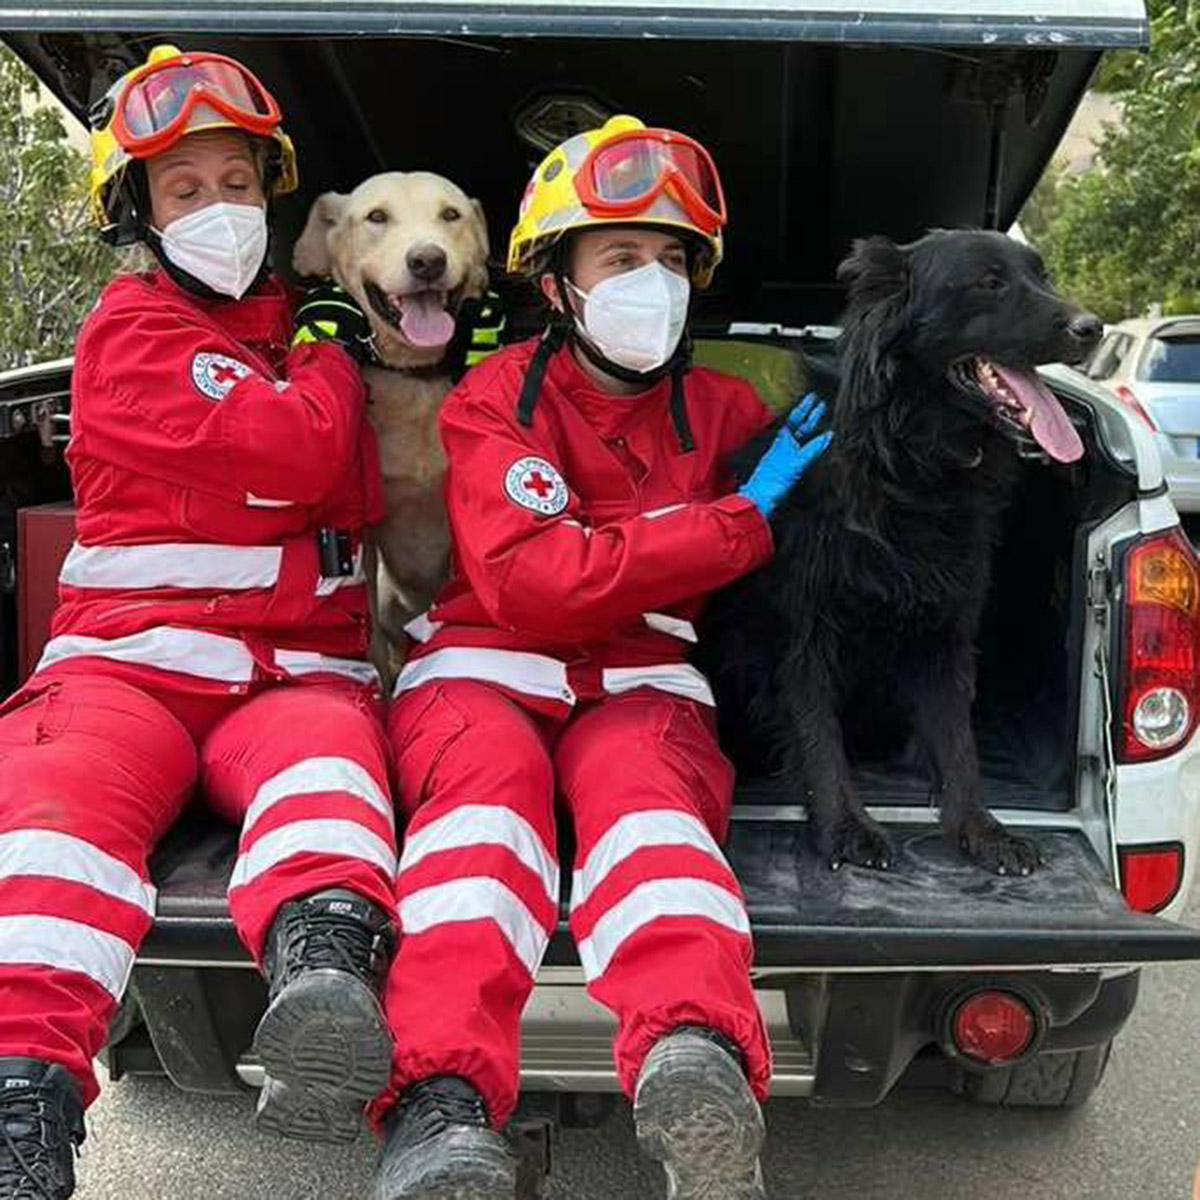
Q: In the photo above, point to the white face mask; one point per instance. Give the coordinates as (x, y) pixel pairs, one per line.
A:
(222, 245)
(636, 319)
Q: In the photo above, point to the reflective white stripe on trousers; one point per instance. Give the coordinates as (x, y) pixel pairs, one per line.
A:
(313, 776)
(52, 855)
(479, 898)
(341, 839)
(471, 825)
(640, 831)
(67, 946)
(680, 897)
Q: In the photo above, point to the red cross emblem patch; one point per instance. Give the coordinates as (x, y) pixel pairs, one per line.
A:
(534, 483)
(215, 374)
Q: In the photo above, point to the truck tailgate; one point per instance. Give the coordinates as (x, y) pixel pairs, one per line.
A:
(934, 909)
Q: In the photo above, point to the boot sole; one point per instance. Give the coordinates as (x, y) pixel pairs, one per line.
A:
(475, 1168)
(324, 1038)
(695, 1114)
(307, 1118)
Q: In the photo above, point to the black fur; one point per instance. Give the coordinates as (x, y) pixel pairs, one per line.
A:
(868, 614)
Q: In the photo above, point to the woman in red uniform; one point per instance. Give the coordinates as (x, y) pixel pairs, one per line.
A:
(211, 634)
(591, 510)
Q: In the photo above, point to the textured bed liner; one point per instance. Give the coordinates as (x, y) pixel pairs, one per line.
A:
(934, 909)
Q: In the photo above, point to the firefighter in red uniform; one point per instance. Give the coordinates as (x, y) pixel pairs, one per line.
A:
(591, 510)
(211, 633)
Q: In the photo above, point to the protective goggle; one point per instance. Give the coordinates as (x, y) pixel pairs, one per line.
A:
(624, 175)
(155, 109)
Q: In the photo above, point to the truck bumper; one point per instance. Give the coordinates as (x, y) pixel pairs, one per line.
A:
(839, 1039)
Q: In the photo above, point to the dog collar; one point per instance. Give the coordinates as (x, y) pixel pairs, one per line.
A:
(428, 371)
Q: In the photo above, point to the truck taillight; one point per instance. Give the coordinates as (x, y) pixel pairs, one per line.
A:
(1129, 397)
(1151, 875)
(1161, 703)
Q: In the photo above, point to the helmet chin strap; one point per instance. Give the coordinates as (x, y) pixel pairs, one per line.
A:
(564, 328)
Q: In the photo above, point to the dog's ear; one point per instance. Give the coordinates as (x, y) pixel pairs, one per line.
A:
(311, 255)
(477, 279)
(876, 269)
(877, 276)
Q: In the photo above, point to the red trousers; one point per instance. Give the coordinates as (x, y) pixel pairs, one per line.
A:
(657, 914)
(97, 760)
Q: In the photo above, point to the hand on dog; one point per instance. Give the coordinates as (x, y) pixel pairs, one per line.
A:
(793, 451)
(329, 313)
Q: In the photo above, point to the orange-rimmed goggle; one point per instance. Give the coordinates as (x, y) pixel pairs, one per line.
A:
(625, 175)
(155, 109)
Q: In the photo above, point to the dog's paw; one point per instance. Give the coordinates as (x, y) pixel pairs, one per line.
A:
(986, 841)
(860, 841)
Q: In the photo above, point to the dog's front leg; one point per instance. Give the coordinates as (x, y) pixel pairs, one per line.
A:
(943, 689)
(384, 656)
(843, 831)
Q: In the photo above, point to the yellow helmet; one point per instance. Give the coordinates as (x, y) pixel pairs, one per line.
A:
(622, 174)
(151, 107)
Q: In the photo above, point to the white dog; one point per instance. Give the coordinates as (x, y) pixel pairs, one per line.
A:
(410, 247)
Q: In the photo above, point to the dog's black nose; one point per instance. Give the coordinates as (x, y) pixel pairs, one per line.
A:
(1086, 328)
(427, 263)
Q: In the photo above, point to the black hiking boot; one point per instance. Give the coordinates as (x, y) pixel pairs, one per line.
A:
(440, 1145)
(695, 1114)
(323, 1041)
(41, 1125)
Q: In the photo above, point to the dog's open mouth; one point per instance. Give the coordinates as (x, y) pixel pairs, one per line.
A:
(424, 319)
(1023, 403)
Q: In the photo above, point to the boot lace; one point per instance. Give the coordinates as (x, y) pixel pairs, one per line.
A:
(329, 940)
(431, 1108)
(30, 1136)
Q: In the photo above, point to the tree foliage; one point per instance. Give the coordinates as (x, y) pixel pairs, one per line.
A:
(52, 265)
(1126, 234)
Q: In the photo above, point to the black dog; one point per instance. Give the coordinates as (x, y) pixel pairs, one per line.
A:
(869, 611)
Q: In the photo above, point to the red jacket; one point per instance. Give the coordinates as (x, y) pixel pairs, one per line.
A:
(205, 459)
(585, 544)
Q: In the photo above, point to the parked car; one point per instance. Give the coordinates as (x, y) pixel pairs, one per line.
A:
(830, 120)
(1153, 365)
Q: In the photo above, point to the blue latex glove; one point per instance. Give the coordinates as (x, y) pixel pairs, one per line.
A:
(792, 452)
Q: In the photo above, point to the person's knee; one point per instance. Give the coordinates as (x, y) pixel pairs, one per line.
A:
(644, 753)
(466, 739)
(97, 752)
(283, 726)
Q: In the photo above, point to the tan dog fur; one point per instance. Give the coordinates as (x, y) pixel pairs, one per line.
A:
(367, 236)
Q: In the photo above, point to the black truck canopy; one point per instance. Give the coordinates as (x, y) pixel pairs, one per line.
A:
(829, 120)
(1013, 22)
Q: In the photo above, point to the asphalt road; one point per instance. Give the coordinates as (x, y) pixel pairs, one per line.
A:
(1138, 1139)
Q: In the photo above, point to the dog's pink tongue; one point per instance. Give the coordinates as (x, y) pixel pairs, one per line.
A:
(424, 320)
(1050, 424)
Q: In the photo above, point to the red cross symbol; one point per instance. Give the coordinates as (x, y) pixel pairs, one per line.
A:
(538, 483)
(223, 375)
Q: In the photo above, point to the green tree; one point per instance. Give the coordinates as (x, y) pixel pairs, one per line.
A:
(1125, 235)
(52, 265)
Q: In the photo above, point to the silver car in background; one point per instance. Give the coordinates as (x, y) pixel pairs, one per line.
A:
(1153, 365)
